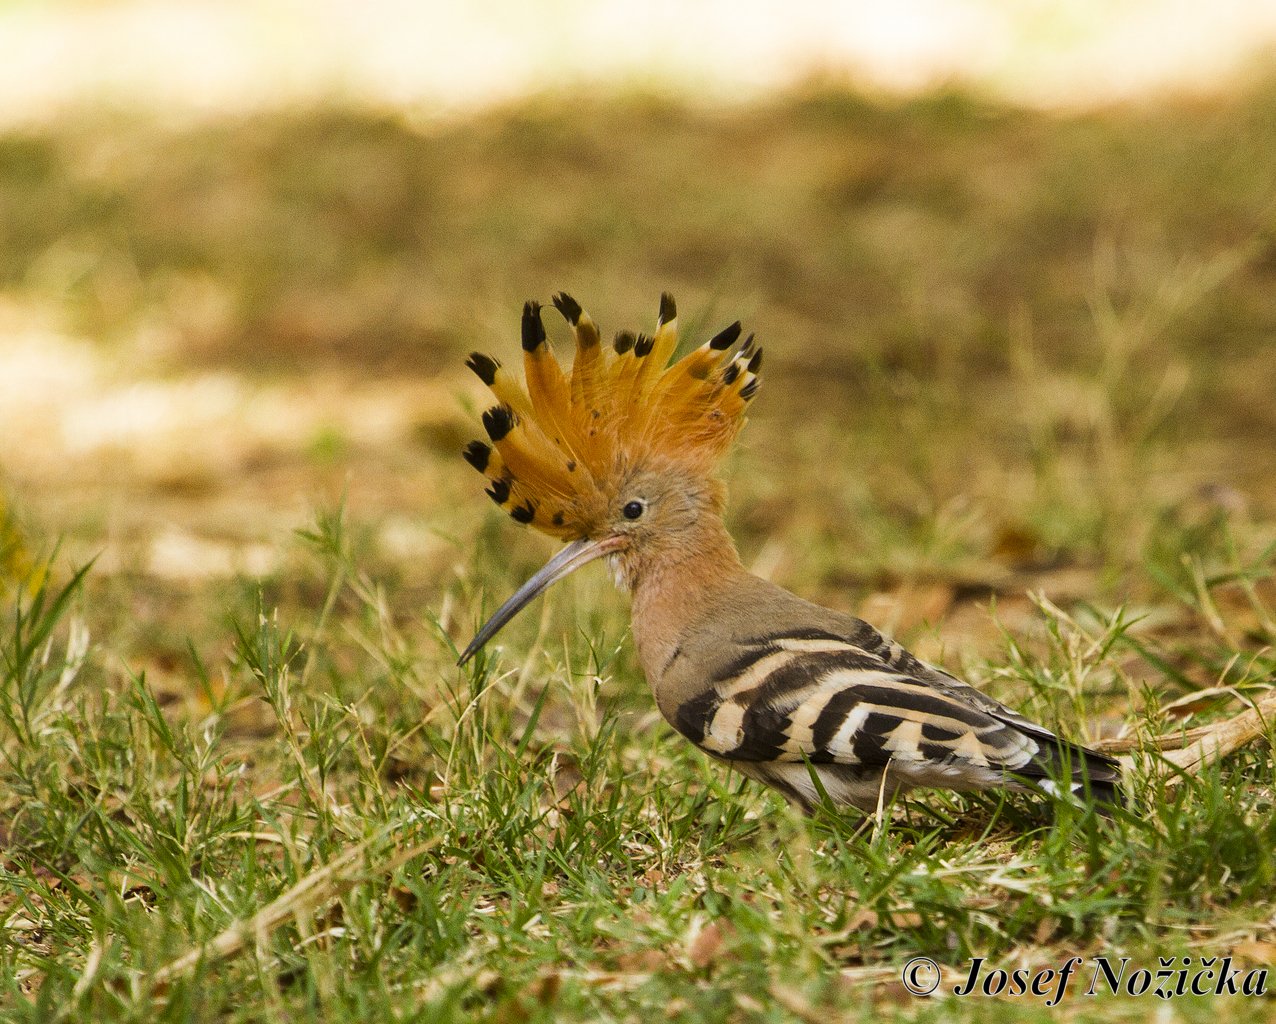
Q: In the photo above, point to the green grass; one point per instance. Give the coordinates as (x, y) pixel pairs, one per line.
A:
(567, 858)
(1017, 408)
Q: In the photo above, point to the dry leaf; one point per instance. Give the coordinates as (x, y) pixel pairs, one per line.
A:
(652, 878)
(565, 778)
(1256, 952)
(545, 988)
(1198, 700)
(862, 920)
(641, 961)
(706, 944)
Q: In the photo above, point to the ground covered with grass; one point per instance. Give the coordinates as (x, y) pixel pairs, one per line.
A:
(1017, 409)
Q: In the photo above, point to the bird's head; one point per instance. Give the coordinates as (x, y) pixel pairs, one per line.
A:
(617, 455)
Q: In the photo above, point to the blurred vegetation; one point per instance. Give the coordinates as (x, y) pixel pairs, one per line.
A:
(910, 235)
(991, 333)
(1008, 353)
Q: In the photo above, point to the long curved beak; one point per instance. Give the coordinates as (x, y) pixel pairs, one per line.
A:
(566, 562)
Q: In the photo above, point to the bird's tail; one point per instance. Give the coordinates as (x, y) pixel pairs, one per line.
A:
(1080, 775)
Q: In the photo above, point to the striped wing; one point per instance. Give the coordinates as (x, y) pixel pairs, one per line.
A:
(865, 703)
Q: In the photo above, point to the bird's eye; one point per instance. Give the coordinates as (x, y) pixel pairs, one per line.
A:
(633, 510)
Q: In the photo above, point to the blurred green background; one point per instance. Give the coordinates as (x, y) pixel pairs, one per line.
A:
(1017, 295)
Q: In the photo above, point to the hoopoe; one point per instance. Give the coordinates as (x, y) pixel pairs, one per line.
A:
(617, 456)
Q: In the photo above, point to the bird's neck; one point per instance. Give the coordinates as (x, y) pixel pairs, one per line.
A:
(674, 585)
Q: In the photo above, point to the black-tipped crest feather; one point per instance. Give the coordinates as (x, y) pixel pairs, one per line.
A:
(484, 367)
(568, 307)
(477, 454)
(533, 328)
(498, 421)
(725, 338)
(499, 492)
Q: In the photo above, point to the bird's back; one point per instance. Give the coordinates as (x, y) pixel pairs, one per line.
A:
(784, 689)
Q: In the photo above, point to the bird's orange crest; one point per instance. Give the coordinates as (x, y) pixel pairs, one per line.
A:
(563, 444)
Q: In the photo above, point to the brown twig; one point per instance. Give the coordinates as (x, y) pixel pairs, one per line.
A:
(1194, 749)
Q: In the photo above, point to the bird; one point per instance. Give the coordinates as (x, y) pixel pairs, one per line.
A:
(618, 455)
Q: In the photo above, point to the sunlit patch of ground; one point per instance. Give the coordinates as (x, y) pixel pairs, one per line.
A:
(204, 57)
(199, 473)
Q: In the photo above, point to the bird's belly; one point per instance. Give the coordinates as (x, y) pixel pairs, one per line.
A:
(864, 787)
(860, 787)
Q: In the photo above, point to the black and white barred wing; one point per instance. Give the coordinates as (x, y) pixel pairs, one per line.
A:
(861, 706)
